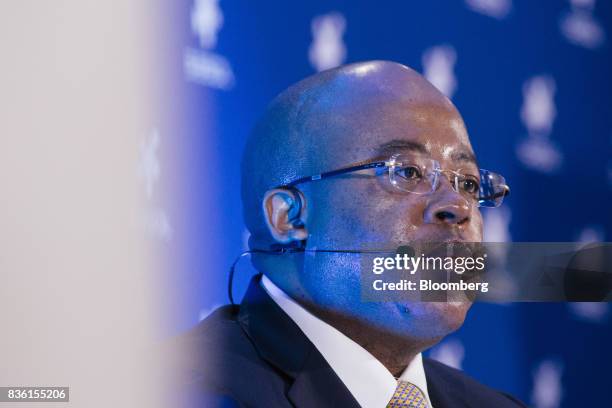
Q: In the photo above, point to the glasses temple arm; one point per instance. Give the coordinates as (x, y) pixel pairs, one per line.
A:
(337, 173)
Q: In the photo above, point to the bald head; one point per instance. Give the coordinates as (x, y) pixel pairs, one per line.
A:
(335, 118)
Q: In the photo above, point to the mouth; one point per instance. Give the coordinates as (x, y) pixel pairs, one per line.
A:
(453, 260)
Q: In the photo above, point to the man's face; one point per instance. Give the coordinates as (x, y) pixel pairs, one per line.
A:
(359, 210)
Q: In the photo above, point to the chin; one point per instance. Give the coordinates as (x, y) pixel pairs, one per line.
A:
(434, 320)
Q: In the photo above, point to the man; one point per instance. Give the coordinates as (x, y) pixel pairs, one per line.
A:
(303, 336)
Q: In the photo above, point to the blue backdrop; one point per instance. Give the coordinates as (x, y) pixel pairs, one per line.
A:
(533, 82)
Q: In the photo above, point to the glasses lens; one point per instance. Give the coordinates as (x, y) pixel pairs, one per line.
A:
(412, 174)
(466, 184)
(493, 189)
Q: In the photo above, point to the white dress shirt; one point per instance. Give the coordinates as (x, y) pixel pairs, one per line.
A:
(367, 379)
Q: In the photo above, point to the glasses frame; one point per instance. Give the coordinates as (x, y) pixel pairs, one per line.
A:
(390, 164)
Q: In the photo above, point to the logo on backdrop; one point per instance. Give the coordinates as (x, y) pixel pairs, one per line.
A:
(327, 49)
(498, 9)
(580, 27)
(156, 220)
(438, 68)
(538, 113)
(202, 65)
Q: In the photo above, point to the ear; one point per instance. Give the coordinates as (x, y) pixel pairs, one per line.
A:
(280, 206)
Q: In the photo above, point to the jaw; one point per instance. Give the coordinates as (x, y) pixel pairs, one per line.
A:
(433, 320)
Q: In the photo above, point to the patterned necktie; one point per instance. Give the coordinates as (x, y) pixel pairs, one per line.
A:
(407, 395)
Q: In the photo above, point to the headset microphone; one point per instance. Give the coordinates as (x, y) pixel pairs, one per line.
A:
(275, 249)
(291, 248)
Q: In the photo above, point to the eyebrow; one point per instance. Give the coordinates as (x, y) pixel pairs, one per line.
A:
(403, 145)
(464, 154)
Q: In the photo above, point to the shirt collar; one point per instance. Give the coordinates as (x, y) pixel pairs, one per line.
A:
(367, 379)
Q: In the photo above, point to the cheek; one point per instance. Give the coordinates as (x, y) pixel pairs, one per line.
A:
(349, 214)
(476, 226)
(363, 213)
(406, 215)
(395, 219)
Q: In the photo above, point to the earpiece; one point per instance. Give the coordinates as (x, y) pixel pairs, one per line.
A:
(296, 209)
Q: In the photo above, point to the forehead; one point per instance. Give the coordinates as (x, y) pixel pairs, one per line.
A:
(377, 127)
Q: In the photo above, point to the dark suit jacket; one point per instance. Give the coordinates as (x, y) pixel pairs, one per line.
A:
(256, 356)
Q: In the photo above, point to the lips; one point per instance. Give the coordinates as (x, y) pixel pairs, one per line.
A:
(452, 249)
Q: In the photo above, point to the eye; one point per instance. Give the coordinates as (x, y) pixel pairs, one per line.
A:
(409, 172)
(470, 185)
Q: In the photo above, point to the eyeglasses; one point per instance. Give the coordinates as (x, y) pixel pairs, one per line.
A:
(421, 175)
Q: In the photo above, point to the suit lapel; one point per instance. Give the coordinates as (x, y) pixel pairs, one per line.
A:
(444, 392)
(317, 385)
(281, 342)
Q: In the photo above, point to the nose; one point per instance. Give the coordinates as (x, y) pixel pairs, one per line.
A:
(446, 206)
